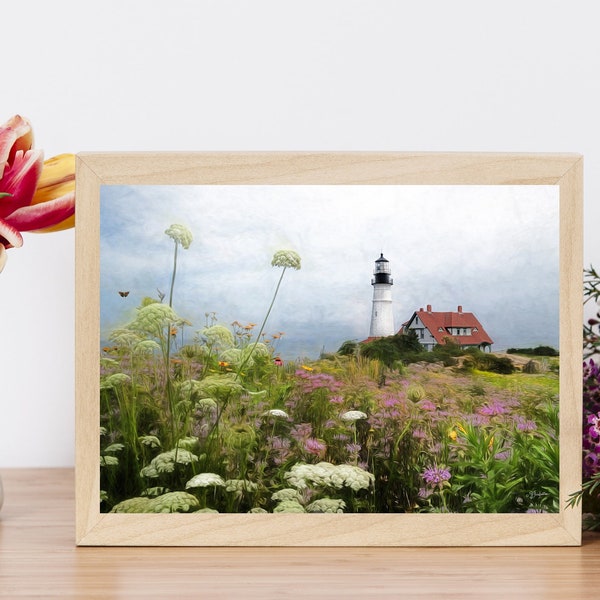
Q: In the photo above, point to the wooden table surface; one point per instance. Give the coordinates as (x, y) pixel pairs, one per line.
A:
(38, 559)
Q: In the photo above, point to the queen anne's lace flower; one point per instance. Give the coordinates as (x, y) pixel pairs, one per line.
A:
(353, 415)
(232, 356)
(286, 494)
(152, 319)
(165, 462)
(326, 505)
(187, 443)
(286, 258)
(219, 386)
(218, 335)
(173, 502)
(289, 506)
(180, 234)
(146, 347)
(132, 505)
(277, 413)
(206, 405)
(325, 474)
(115, 380)
(205, 480)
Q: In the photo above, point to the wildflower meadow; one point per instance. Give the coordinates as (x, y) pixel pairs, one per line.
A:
(209, 418)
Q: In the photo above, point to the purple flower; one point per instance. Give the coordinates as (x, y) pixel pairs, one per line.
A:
(314, 446)
(427, 405)
(525, 425)
(353, 448)
(594, 425)
(493, 409)
(390, 401)
(436, 475)
(301, 431)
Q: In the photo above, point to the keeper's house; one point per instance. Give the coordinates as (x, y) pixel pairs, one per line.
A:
(436, 327)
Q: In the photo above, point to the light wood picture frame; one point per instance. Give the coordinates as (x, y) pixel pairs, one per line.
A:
(560, 174)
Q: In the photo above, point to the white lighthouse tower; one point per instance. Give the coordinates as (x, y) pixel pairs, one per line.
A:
(382, 317)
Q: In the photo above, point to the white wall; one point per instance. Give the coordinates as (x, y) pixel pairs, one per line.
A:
(267, 75)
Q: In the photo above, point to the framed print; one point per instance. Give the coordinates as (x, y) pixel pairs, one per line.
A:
(328, 349)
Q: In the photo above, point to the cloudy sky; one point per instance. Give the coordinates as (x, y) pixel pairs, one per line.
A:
(491, 249)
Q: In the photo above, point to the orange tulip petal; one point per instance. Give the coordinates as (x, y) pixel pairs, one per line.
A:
(57, 178)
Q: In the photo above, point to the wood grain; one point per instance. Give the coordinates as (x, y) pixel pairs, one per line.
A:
(357, 168)
(39, 559)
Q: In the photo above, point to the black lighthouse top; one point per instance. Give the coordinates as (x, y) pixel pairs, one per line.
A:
(382, 271)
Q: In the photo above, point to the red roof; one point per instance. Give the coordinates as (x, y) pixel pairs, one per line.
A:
(442, 324)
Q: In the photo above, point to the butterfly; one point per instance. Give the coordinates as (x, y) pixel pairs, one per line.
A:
(123, 294)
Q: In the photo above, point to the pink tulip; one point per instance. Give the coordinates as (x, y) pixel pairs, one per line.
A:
(34, 196)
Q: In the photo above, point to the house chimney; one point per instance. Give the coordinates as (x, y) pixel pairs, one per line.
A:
(421, 309)
(429, 308)
(459, 308)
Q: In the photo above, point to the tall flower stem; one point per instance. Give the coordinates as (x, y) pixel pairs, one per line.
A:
(173, 275)
(180, 235)
(262, 327)
(281, 258)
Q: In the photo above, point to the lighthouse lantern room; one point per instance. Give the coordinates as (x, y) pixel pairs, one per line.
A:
(382, 317)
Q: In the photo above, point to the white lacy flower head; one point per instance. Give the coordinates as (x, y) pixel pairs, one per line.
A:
(277, 413)
(180, 234)
(116, 380)
(173, 502)
(286, 494)
(353, 415)
(165, 462)
(146, 347)
(205, 480)
(231, 356)
(325, 474)
(154, 318)
(289, 506)
(218, 335)
(206, 405)
(326, 505)
(286, 258)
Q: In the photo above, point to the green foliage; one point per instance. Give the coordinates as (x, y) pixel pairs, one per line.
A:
(348, 348)
(389, 350)
(484, 361)
(537, 351)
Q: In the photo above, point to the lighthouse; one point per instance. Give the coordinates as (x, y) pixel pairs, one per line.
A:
(382, 318)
